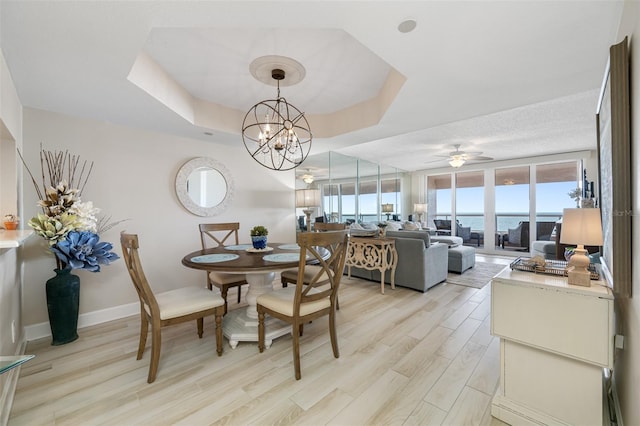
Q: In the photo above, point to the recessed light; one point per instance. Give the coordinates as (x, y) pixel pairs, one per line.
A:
(407, 26)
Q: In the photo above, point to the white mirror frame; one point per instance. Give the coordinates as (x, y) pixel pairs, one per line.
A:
(181, 186)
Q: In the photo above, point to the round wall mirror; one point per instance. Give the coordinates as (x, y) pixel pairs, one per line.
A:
(204, 186)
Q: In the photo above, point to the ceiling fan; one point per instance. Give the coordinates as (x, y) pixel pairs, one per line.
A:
(457, 158)
(308, 178)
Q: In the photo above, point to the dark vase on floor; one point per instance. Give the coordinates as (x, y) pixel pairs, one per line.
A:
(63, 304)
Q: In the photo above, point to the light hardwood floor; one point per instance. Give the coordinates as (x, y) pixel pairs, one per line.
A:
(405, 358)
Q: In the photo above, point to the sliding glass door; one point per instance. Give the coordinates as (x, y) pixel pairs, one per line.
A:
(469, 202)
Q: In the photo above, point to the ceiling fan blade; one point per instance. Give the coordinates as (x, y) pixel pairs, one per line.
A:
(479, 158)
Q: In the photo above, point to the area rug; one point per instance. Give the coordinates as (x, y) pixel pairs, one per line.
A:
(476, 277)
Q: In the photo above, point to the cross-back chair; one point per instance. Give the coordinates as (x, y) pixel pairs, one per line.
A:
(167, 308)
(221, 234)
(291, 275)
(307, 301)
(331, 226)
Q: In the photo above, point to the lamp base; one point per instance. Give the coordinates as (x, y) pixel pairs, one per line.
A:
(577, 269)
(578, 277)
(308, 212)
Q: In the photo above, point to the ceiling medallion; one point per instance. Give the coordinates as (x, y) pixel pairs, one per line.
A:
(275, 133)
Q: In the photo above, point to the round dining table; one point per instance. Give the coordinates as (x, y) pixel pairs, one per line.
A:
(260, 267)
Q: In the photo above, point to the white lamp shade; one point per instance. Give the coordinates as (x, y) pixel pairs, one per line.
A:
(581, 227)
(420, 208)
(307, 198)
(387, 208)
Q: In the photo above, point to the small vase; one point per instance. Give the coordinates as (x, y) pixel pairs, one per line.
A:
(568, 253)
(63, 305)
(259, 242)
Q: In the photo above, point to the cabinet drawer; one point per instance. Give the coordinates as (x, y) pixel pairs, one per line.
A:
(574, 325)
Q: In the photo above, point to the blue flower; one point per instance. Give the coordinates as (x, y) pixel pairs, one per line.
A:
(83, 250)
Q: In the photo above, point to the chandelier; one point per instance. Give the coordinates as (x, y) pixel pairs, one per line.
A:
(275, 133)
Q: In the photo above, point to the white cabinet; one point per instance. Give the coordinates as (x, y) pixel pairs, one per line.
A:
(555, 340)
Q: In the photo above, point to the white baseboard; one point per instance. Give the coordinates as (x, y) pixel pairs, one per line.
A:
(38, 331)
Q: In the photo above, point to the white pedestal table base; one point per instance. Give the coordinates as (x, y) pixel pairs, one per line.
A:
(241, 325)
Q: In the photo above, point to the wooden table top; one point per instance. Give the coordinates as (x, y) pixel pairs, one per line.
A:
(246, 262)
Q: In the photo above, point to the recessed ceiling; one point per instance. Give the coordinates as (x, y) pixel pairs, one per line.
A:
(511, 79)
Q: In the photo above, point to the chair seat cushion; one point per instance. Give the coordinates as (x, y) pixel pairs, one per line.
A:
(183, 301)
(309, 272)
(222, 278)
(281, 301)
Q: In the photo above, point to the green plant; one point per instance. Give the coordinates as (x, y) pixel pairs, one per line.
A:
(259, 230)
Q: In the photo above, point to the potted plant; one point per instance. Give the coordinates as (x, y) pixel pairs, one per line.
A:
(11, 222)
(259, 237)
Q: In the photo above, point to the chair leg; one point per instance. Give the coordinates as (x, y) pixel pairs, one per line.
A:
(284, 282)
(239, 293)
(200, 322)
(156, 342)
(223, 292)
(219, 332)
(260, 328)
(296, 351)
(334, 335)
(144, 330)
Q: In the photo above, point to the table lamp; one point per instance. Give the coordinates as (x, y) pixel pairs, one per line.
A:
(387, 209)
(307, 199)
(420, 209)
(581, 227)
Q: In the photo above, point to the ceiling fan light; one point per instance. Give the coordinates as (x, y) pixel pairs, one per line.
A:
(308, 179)
(456, 161)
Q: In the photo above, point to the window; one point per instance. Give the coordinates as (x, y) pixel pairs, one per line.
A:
(470, 207)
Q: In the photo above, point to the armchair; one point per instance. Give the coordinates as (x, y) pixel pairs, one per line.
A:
(463, 232)
(517, 238)
(443, 226)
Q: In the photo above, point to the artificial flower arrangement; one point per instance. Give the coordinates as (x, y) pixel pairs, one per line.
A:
(69, 225)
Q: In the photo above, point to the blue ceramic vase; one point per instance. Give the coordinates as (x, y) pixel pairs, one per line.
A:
(259, 242)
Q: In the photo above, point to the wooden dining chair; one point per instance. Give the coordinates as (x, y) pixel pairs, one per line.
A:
(216, 235)
(333, 226)
(167, 308)
(291, 275)
(310, 300)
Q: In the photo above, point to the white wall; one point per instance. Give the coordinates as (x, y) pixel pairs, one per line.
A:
(627, 367)
(11, 335)
(134, 178)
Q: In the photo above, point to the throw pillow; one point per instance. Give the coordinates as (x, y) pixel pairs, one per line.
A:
(393, 226)
(410, 226)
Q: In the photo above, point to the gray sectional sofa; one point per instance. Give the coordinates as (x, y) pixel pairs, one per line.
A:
(421, 264)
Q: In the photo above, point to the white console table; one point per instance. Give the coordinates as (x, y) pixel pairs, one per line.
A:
(555, 341)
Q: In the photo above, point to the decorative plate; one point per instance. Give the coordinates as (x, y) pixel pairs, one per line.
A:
(238, 247)
(255, 250)
(282, 257)
(214, 258)
(293, 246)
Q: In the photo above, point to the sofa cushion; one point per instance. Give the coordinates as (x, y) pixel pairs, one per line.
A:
(450, 241)
(419, 235)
